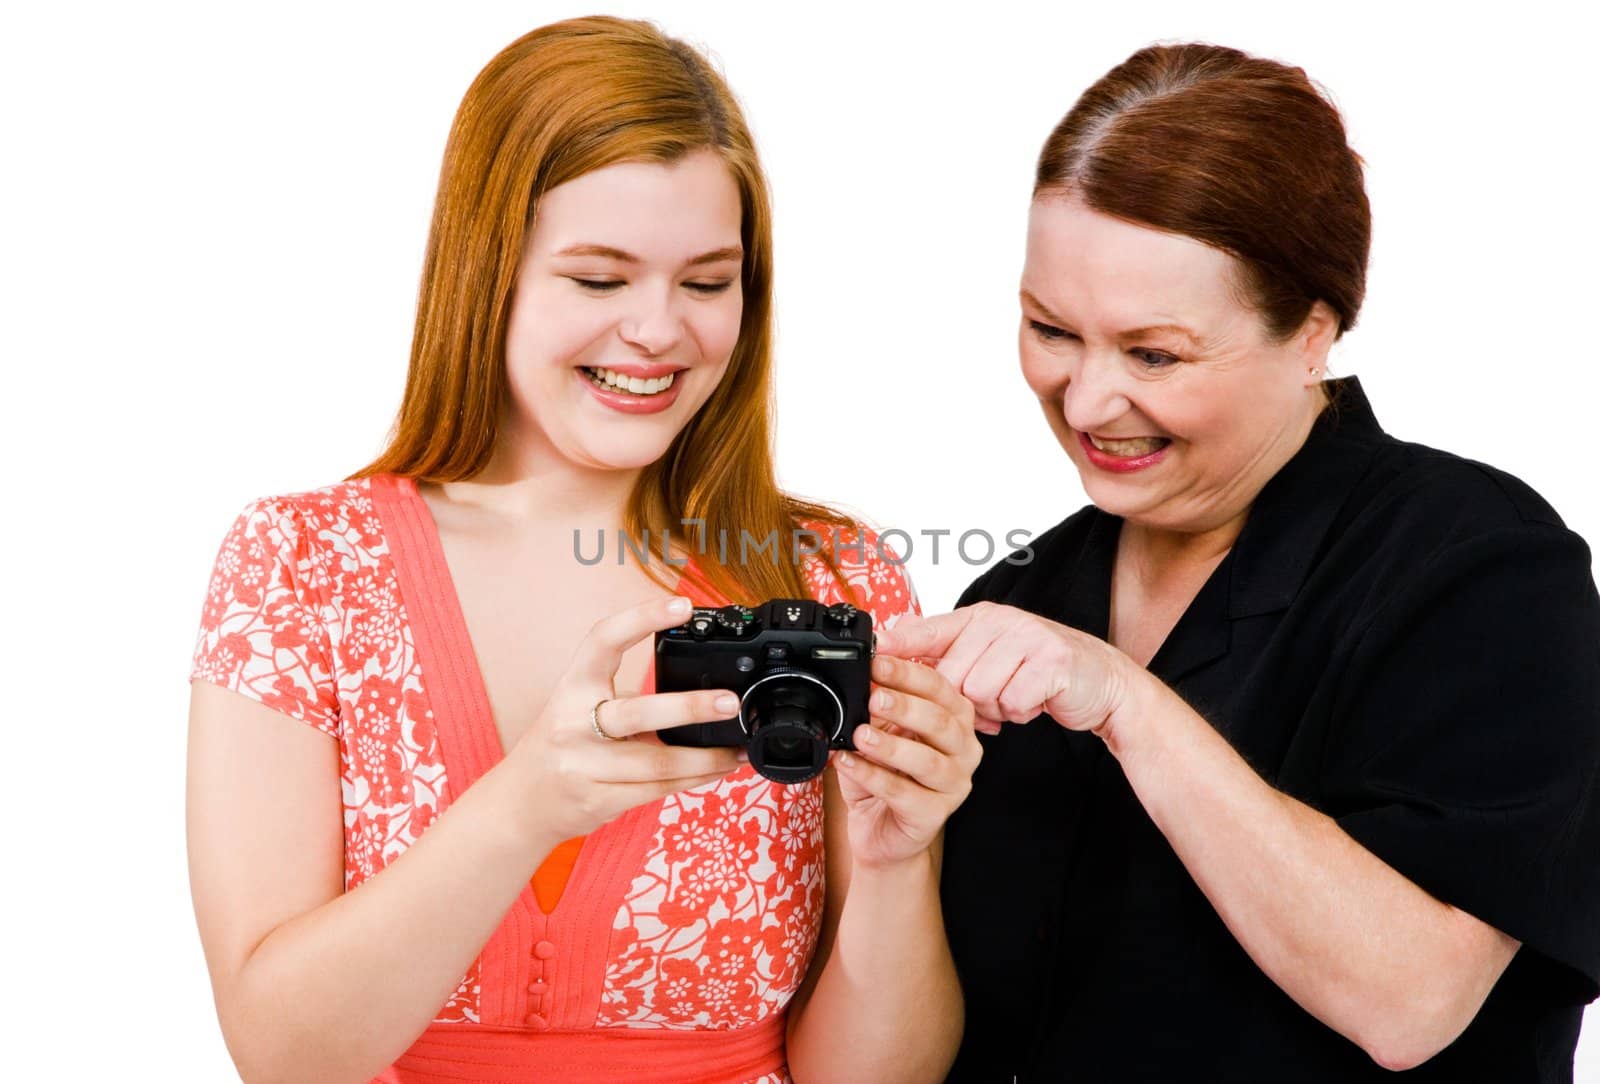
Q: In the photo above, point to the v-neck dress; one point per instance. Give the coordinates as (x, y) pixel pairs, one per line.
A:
(685, 925)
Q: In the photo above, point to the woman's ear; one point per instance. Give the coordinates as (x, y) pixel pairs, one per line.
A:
(1315, 338)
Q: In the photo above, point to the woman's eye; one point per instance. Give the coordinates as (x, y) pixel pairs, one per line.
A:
(596, 286)
(1048, 333)
(709, 288)
(1153, 359)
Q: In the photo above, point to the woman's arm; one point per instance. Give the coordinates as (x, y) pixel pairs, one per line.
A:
(1352, 941)
(1357, 945)
(881, 1001)
(312, 983)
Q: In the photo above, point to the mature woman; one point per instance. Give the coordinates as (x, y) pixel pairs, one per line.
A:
(432, 834)
(1307, 790)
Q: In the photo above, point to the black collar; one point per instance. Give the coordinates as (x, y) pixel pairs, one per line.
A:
(1290, 518)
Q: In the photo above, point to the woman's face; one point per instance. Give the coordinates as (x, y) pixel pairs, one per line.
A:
(1159, 381)
(626, 310)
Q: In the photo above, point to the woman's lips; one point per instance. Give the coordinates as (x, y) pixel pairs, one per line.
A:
(1120, 464)
(627, 402)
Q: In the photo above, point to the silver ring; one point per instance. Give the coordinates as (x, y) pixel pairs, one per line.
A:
(594, 722)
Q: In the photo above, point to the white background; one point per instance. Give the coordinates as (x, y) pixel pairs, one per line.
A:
(213, 220)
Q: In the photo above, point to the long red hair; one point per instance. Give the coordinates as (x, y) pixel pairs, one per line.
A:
(555, 104)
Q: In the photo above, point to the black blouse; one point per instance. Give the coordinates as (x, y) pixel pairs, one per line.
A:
(1403, 639)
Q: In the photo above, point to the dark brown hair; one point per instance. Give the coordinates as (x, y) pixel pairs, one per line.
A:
(1237, 152)
(555, 104)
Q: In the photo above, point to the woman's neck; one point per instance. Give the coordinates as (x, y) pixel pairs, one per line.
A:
(1157, 556)
(533, 491)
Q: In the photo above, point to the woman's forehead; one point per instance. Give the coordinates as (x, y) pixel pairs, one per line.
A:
(1082, 265)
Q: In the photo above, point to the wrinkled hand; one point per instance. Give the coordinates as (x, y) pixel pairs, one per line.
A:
(1013, 665)
(913, 766)
(577, 780)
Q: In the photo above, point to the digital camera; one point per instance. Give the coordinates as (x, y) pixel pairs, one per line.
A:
(802, 671)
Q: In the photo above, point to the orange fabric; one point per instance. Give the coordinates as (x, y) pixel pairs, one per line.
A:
(631, 978)
(454, 1053)
(551, 876)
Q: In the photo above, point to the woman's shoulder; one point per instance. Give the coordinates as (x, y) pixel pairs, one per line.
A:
(867, 559)
(1038, 559)
(330, 506)
(320, 541)
(1428, 498)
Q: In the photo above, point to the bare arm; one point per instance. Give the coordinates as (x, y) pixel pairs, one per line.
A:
(1354, 942)
(881, 1001)
(312, 983)
(1351, 940)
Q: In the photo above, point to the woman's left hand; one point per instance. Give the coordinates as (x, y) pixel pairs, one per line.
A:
(913, 765)
(1013, 665)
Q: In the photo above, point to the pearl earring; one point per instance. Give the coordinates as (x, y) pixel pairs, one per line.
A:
(1314, 371)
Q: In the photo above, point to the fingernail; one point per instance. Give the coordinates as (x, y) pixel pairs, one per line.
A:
(881, 700)
(881, 666)
(680, 605)
(728, 703)
(865, 735)
(742, 756)
(845, 760)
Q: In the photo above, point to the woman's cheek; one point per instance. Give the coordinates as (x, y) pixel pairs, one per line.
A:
(1045, 375)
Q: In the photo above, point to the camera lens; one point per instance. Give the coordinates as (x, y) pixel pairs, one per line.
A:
(790, 717)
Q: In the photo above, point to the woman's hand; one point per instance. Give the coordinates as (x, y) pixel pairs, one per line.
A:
(1013, 665)
(914, 763)
(577, 779)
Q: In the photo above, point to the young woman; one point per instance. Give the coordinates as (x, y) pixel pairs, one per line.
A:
(477, 862)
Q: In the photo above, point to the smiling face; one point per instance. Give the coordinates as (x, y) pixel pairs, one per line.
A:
(1161, 383)
(626, 311)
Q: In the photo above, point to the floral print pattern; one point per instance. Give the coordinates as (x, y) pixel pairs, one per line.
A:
(304, 614)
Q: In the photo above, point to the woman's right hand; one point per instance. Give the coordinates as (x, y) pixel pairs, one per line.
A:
(578, 780)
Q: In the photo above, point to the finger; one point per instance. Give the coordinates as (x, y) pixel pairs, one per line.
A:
(986, 680)
(638, 762)
(916, 761)
(923, 637)
(927, 721)
(876, 780)
(629, 715)
(924, 682)
(987, 624)
(600, 652)
(1045, 669)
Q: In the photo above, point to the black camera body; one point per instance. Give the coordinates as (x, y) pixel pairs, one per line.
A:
(802, 671)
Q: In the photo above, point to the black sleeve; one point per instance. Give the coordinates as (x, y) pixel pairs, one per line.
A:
(977, 590)
(1467, 737)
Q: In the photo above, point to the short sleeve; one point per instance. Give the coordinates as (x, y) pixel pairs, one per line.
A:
(1466, 738)
(261, 629)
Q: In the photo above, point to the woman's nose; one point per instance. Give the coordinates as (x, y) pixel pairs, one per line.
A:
(1094, 396)
(652, 324)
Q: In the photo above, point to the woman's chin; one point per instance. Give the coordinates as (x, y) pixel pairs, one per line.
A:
(1117, 499)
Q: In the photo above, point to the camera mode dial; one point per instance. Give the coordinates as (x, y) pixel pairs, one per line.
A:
(729, 618)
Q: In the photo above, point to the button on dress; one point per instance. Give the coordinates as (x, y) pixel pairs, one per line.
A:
(683, 927)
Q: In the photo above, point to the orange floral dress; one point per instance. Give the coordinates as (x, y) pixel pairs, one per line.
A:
(685, 925)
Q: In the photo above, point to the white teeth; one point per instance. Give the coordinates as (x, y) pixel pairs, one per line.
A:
(633, 385)
(1131, 447)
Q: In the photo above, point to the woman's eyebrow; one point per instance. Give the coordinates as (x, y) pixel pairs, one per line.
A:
(1175, 329)
(1041, 306)
(1131, 333)
(606, 252)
